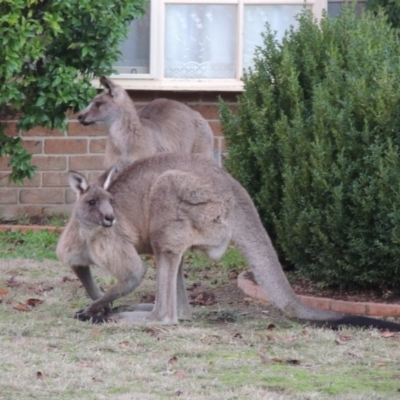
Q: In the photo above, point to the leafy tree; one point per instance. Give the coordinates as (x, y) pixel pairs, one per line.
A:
(316, 142)
(49, 51)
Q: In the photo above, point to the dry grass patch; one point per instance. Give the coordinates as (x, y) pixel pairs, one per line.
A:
(46, 354)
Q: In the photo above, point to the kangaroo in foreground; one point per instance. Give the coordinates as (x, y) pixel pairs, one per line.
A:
(161, 126)
(166, 205)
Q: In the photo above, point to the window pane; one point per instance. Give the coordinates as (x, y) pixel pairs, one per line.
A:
(280, 17)
(135, 58)
(200, 41)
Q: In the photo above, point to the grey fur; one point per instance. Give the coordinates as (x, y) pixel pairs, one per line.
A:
(161, 126)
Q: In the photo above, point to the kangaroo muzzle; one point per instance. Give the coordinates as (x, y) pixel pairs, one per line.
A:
(82, 120)
(108, 221)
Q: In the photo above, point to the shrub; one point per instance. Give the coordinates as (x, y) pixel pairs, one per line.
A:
(49, 51)
(390, 7)
(316, 142)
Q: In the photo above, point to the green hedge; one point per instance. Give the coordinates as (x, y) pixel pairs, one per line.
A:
(316, 140)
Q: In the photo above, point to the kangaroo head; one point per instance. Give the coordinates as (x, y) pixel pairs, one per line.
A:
(106, 106)
(94, 205)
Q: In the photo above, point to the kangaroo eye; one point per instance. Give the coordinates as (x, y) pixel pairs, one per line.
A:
(98, 104)
(92, 202)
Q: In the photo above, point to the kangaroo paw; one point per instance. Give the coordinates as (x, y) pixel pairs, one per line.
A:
(81, 315)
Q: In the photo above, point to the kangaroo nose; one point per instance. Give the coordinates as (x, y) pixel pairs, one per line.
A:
(80, 117)
(109, 220)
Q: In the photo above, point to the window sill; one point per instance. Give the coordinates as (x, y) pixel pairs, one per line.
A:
(206, 85)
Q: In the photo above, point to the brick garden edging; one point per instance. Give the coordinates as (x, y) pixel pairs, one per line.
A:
(251, 289)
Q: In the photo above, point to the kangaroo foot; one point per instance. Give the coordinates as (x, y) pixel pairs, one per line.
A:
(83, 315)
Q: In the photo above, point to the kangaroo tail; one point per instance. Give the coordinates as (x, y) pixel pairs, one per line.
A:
(251, 239)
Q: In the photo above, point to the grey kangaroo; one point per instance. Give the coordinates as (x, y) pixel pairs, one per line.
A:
(166, 205)
(161, 126)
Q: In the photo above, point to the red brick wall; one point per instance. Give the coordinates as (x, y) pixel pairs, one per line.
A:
(81, 149)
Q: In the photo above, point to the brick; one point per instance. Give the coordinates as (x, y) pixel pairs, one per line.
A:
(348, 307)
(223, 144)
(4, 163)
(41, 131)
(216, 128)
(65, 146)
(183, 97)
(33, 146)
(143, 96)
(322, 303)
(72, 115)
(383, 310)
(34, 182)
(15, 211)
(230, 97)
(55, 179)
(8, 196)
(70, 196)
(77, 129)
(97, 145)
(11, 129)
(93, 176)
(209, 112)
(42, 196)
(89, 162)
(50, 163)
(56, 209)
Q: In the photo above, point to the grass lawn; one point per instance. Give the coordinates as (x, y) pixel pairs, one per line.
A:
(259, 354)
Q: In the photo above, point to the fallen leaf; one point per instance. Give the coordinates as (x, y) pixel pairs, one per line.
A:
(148, 298)
(352, 354)
(172, 360)
(180, 374)
(12, 282)
(293, 361)
(264, 358)
(203, 299)
(3, 292)
(345, 337)
(271, 327)
(380, 364)
(21, 307)
(233, 274)
(34, 302)
(194, 286)
(387, 334)
(68, 279)
(124, 344)
(237, 336)
(86, 364)
(277, 360)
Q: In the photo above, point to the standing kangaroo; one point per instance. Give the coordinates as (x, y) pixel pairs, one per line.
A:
(161, 126)
(166, 205)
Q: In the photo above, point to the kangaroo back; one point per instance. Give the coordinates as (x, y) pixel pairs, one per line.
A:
(161, 126)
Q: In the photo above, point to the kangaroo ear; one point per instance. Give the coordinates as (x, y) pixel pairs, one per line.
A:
(109, 85)
(78, 182)
(113, 171)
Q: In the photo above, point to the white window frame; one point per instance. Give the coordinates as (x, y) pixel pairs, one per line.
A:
(155, 80)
